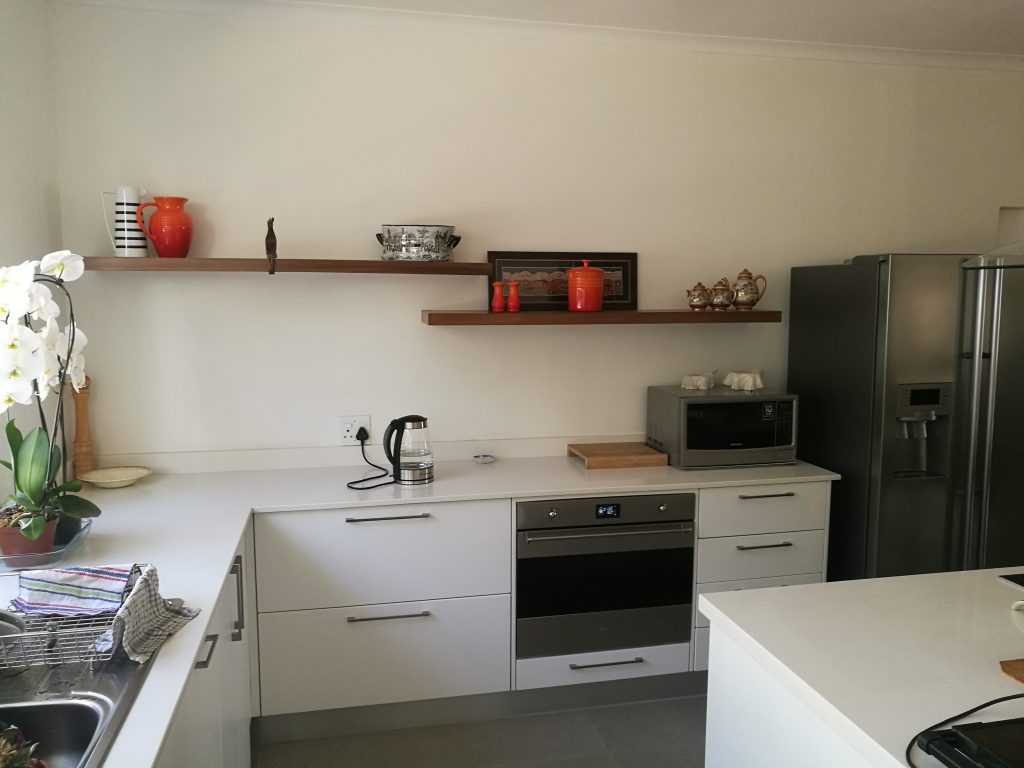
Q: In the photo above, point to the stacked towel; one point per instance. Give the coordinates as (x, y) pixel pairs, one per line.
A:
(72, 591)
(145, 620)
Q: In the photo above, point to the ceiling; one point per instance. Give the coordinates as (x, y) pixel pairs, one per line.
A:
(986, 27)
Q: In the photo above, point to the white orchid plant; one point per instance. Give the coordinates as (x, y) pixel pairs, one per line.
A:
(38, 358)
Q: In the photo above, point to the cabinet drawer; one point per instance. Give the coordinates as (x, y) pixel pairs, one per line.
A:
(751, 557)
(312, 660)
(331, 558)
(761, 509)
(741, 584)
(556, 670)
(701, 647)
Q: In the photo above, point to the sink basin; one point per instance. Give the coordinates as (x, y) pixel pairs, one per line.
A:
(72, 710)
(66, 729)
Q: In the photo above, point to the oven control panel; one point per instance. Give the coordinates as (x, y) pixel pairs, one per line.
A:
(604, 510)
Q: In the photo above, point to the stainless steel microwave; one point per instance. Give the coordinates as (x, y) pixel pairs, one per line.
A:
(721, 427)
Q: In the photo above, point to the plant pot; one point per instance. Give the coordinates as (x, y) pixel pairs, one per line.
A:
(12, 542)
(67, 528)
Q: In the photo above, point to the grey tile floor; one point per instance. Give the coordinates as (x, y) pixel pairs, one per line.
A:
(654, 734)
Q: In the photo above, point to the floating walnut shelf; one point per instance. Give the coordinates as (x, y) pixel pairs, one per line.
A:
(368, 266)
(616, 317)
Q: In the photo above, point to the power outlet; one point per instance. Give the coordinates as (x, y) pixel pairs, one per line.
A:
(350, 426)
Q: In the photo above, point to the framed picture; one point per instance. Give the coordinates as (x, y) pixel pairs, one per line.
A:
(544, 283)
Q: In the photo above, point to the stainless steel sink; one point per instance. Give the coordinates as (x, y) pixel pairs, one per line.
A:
(73, 710)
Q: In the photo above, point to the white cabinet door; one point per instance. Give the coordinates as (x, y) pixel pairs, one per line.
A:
(400, 553)
(374, 654)
(211, 724)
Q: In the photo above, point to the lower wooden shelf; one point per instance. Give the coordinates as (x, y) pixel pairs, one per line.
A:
(615, 317)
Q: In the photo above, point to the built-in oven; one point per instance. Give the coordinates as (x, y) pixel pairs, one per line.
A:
(596, 574)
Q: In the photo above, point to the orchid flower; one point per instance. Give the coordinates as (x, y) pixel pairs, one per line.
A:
(63, 265)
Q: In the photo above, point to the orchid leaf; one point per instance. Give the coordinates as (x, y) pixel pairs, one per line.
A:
(70, 485)
(54, 463)
(32, 527)
(24, 501)
(76, 506)
(32, 465)
(6, 464)
(14, 439)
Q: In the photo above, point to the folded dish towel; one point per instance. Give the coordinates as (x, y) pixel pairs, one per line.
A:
(145, 619)
(72, 591)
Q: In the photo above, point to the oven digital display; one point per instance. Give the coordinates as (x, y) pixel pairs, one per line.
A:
(608, 510)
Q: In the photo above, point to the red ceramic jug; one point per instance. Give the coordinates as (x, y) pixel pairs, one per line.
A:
(170, 226)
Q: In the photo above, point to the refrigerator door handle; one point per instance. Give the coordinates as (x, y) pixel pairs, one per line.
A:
(974, 422)
(990, 417)
(979, 445)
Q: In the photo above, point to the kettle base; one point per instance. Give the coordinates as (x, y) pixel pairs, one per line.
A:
(415, 475)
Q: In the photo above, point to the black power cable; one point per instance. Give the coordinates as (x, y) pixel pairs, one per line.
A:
(358, 485)
(954, 718)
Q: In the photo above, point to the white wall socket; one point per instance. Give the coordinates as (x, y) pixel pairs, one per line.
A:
(350, 425)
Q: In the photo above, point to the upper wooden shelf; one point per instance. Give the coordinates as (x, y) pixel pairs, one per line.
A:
(156, 264)
(613, 317)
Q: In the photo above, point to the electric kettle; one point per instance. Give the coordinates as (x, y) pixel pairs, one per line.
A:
(407, 448)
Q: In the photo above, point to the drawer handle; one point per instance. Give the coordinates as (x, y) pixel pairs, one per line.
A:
(747, 496)
(394, 517)
(637, 660)
(205, 663)
(746, 547)
(354, 619)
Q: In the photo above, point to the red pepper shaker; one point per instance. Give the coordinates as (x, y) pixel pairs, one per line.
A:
(513, 296)
(498, 300)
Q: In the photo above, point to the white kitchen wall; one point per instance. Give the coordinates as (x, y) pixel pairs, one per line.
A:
(703, 163)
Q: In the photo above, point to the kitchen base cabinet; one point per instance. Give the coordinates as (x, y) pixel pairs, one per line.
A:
(754, 537)
(211, 724)
(375, 654)
(576, 668)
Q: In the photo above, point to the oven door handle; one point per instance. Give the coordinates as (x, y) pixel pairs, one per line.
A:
(683, 529)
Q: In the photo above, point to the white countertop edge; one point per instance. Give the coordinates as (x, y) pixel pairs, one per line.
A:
(816, 704)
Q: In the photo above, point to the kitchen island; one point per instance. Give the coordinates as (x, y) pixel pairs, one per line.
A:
(844, 674)
(190, 527)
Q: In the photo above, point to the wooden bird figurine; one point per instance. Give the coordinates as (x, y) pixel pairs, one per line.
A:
(271, 242)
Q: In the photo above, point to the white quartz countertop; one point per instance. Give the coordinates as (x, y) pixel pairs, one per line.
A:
(189, 526)
(879, 660)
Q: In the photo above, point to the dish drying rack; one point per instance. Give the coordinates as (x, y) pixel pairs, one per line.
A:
(55, 640)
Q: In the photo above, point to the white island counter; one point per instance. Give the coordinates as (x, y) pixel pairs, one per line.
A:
(845, 674)
(190, 525)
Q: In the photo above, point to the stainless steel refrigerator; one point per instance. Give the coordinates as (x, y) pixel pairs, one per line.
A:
(927, 433)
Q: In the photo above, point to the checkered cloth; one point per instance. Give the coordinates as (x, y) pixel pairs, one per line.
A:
(145, 619)
(72, 591)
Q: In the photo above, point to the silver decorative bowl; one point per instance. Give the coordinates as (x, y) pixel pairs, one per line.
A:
(417, 242)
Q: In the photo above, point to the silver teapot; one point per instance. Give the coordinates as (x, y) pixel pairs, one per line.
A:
(746, 291)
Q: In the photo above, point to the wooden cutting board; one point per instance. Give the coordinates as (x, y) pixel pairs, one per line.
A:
(1014, 669)
(617, 455)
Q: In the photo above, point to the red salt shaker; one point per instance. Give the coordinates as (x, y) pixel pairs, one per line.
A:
(513, 296)
(498, 300)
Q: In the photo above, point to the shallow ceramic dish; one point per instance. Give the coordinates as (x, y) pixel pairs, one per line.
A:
(115, 477)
